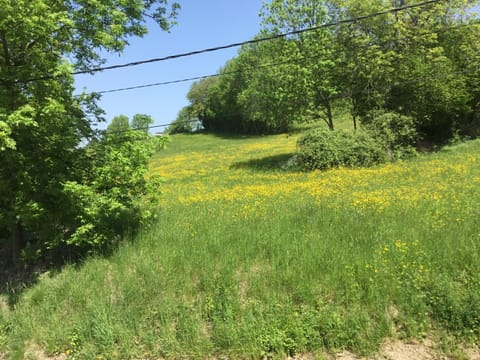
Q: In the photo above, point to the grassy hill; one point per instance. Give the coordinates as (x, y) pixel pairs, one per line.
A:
(248, 260)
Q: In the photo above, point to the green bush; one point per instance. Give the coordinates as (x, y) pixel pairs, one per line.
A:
(324, 149)
(398, 133)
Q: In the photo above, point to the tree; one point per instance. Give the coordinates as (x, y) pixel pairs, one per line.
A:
(401, 62)
(142, 122)
(119, 124)
(313, 54)
(43, 128)
(268, 97)
(111, 198)
(463, 47)
(198, 95)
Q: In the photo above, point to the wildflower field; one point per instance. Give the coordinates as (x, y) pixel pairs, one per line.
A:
(248, 259)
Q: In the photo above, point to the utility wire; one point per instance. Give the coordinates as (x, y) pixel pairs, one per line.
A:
(339, 96)
(286, 62)
(247, 42)
(136, 87)
(201, 77)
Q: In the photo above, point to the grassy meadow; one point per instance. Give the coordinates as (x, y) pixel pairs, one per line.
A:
(248, 260)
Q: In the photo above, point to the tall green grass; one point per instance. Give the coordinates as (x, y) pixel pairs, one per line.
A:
(246, 261)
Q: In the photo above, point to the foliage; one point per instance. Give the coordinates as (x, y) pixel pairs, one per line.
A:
(142, 122)
(202, 101)
(397, 132)
(310, 58)
(462, 47)
(270, 85)
(267, 98)
(118, 124)
(111, 200)
(184, 123)
(325, 149)
(420, 62)
(44, 129)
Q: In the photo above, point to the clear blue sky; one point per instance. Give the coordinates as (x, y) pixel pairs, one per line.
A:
(201, 24)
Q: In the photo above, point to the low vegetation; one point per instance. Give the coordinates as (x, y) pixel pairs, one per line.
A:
(382, 138)
(247, 260)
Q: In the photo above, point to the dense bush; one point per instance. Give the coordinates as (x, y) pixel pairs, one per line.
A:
(397, 132)
(324, 149)
(116, 197)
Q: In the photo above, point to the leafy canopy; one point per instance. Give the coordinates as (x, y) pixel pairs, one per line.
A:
(44, 130)
(420, 63)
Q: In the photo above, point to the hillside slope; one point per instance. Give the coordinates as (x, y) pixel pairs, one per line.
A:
(247, 261)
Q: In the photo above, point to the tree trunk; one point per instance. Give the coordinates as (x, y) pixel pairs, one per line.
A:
(329, 115)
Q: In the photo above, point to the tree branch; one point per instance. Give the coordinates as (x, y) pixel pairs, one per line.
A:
(6, 53)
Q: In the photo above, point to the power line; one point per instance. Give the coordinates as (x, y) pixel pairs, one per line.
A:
(247, 42)
(149, 127)
(292, 61)
(136, 87)
(334, 97)
(339, 96)
(201, 77)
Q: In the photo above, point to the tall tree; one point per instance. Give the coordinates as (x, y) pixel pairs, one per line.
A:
(269, 95)
(42, 126)
(203, 102)
(313, 53)
(400, 62)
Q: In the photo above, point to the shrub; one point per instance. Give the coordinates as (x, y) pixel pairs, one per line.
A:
(324, 149)
(398, 133)
(115, 198)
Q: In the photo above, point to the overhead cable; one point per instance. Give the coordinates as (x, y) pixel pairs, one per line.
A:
(251, 69)
(247, 42)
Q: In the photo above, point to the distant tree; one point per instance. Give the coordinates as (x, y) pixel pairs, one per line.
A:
(204, 102)
(269, 95)
(199, 98)
(418, 63)
(119, 124)
(142, 122)
(311, 57)
(463, 47)
(406, 62)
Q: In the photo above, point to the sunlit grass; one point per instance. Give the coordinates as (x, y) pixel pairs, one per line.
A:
(249, 260)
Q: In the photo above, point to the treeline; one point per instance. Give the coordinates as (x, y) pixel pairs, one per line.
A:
(421, 63)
